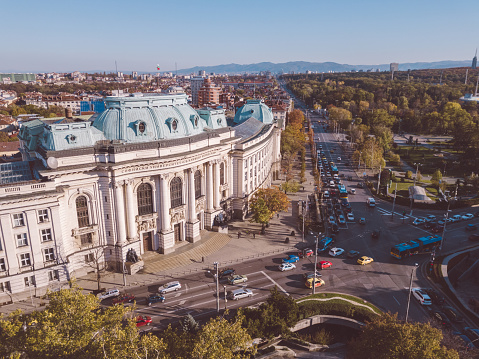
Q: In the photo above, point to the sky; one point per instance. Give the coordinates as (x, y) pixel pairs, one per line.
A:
(61, 36)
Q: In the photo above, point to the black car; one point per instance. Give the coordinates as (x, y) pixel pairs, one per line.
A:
(452, 314)
(442, 318)
(429, 225)
(227, 272)
(154, 298)
(360, 185)
(436, 298)
(335, 228)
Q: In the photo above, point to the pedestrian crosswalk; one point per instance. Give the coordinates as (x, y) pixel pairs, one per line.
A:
(385, 212)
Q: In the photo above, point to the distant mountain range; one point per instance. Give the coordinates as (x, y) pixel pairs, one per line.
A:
(303, 66)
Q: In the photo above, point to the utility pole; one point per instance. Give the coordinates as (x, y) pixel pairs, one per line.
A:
(302, 211)
(394, 202)
(226, 299)
(446, 216)
(410, 290)
(217, 287)
(315, 262)
(379, 179)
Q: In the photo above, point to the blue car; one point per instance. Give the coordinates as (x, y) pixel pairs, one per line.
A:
(291, 259)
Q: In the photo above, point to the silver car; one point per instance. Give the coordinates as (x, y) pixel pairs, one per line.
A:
(170, 287)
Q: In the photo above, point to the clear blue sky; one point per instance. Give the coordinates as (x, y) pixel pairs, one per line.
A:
(65, 35)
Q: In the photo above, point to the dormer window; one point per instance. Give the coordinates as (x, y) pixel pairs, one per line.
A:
(220, 121)
(72, 138)
(140, 128)
(194, 121)
(172, 124)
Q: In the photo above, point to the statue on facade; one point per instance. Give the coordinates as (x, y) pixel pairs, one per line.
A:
(131, 256)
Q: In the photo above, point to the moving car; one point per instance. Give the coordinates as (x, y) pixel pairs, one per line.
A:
(472, 334)
(286, 266)
(125, 298)
(305, 253)
(236, 278)
(154, 298)
(365, 260)
(336, 252)
(360, 185)
(169, 287)
(418, 221)
(441, 318)
(334, 228)
(352, 191)
(240, 293)
(309, 283)
(226, 272)
(467, 216)
(430, 218)
(436, 298)
(324, 264)
(371, 202)
(308, 275)
(341, 219)
(352, 254)
(421, 296)
(452, 314)
(456, 218)
(350, 217)
(291, 259)
(326, 194)
(142, 320)
(109, 294)
(362, 220)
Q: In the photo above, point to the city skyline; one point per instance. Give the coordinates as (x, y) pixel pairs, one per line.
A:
(55, 36)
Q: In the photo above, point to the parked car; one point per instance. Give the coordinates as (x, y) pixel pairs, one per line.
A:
(352, 254)
(286, 266)
(125, 298)
(421, 296)
(350, 217)
(236, 278)
(142, 320)
(154, 298)
(452, 314)
(318, 283)
(473, 334)
(110, 293)
(291, 259)
(169, 287)
(226, 272)
(467, 216)
(365, 260)
(324, 264)
(336, 252)
(240, 293)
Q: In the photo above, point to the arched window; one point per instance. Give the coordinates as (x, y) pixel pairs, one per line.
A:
(197, 184)
(222, 173)
(82, 212)
(145, 199)
(176, 192)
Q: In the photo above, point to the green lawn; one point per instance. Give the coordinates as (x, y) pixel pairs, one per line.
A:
(350, 297)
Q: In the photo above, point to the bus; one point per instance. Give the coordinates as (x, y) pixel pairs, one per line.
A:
(334, 170)
(343, 193)
(415, 246)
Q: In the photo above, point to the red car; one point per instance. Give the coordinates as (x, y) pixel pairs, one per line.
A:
(143, 320)
(324, 264)
(306, 253)
(125, 298)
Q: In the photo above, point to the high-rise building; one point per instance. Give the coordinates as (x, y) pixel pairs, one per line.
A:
(196, 83)
(394, 66)
(202, 73)
(208, 94)
(474, 61)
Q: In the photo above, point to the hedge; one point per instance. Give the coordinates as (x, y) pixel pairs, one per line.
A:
(334, 307)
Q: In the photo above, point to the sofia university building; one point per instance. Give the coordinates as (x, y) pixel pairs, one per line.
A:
(147, 173)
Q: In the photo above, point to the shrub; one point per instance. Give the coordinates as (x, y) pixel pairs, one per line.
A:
(409, 174)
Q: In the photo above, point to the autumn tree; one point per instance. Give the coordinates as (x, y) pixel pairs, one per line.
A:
(436, 178)
(386, 337)
(266, 202)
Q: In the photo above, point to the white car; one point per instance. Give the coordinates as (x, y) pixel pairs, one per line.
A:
(341, 219)
(352, 191)
(467, 216)
(456, 218)
(339, 159)
(169, 287)
(109, 294)
(326, 194)
(421, 296)
(335, 252)
(350, 217)
(286, 266)
(418, 221)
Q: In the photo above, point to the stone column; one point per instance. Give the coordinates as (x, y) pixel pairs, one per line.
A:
(130, 205)
(216, 188)
(192, 224)
(120, 213)
(209, 187)
(165, 204)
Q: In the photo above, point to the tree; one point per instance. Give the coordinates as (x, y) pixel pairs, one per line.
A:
(222, 339)
(266, 202)
(189, 324)
(98, 263)
(386, 337)
(289, 186)
(73, 325)
(436, 178)
(408, 174)
(340, 115)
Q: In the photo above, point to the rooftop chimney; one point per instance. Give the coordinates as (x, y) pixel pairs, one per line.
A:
(68, 113)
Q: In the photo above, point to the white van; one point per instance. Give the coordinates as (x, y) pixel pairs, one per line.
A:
(371, 202)
(352, 191)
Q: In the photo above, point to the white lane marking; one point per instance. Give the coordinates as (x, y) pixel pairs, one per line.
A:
(177, 294)
(186, 286)
(275, 283)
(396, 300)
(182, 302)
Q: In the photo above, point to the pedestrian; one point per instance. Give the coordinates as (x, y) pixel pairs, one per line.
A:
(254, 235)
(202, 259)
(277, 215)
(238, 235)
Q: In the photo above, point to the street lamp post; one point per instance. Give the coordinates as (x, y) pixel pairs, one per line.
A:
(217, 287)
(302, 212)
(394, 202)
(410, 290)
(226, 299)
(446, 216)
(315, 262)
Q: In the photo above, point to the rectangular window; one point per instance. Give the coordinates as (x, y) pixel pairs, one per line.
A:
(49, 254)
(29, 281)
(89, 258)
(43, 215)
(3, 265)
(25, 260)
(46, 235)
(53, 275)
(86, 239)
(4, 287)
(18, 220)
(21, 239)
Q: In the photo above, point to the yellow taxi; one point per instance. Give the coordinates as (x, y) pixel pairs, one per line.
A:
(309, 282)
(365, 260)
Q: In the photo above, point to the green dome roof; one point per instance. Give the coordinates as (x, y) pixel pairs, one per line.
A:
(256, 109)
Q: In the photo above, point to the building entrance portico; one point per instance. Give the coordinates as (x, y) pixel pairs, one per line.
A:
(148, 241)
